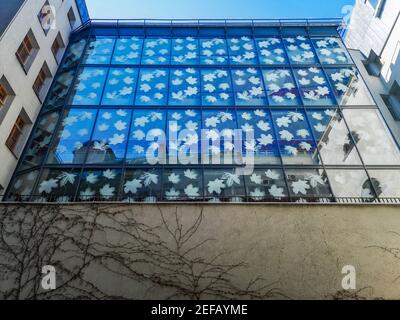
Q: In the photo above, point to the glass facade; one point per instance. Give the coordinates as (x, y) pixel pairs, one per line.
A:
(155, 114)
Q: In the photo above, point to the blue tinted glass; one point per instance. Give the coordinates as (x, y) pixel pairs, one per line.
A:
(314, 87)
(183, 136)
(156, 51)
(242, 51)
(99, 184)
(73, 54)
(142, 185)
(120, 87)
(59, 91)
(333, 138)
(217, 87)
(310, 183)
(185, 51)
(109, 137)
(183, 184)
(57, 185)
(73, 137)
(331, 50)
(40, 140)
(22, 186)
(223, 185)
(271, 51)
(99, 51)
(248, 87)
(88, 86)
(281, 87)
(128, 51)
(295, 138)
(152, 87)
(213, 51)
(266, 185)
(218, 136)
(300, 50)
(184, 87)
(147, 137)
(264, 146)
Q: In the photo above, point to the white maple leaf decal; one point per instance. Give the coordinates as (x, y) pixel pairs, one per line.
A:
(190, 174)
(300, 186)
(192, 191)
(107, 192)
(216, 186)
(48, 185)
(133, 186)
(149, 178)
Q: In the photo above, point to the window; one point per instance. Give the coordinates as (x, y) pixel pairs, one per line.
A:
(71, 18)
(40, 84)
(15, 134)
(46, 17)
(27, 51)
(57, 47)
(3, 96)
(392, 101)
(7, 96)
(373, 64)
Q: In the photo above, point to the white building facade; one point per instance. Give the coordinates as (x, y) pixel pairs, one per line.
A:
(373, 38)
(33, 38)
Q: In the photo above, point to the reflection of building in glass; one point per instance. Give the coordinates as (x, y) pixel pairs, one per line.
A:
(318, 135)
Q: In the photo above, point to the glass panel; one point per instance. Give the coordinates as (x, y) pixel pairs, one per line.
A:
(314, 87)
(73, 137)
(242, 51)
(308, 183)
(248, 87)
(266, 185)
(386, 182)
(265, 144)
(271, 51)
(57, 185)
(334, 140)
(184, 134)
(218, 136)
(22, 187)
(185, 51)
(100, 184)
(213, 51)
(99, 51)
(184, 87)
(183, 184)
(156, 51)
(349, 88)
(59, 91)
(110, 136)
(300, 50)
(142, 185)
(217, 87)
(153, 87)
(374, 141)
(350, 183)
(281, 87)
(41, 138)
(295, 138)
(88, 87)
(223, 185)
(128, 51)
(73, 54)
(120, 87)
(331, 50)
(147, 136)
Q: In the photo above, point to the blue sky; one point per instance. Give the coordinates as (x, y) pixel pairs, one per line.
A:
(213, 9)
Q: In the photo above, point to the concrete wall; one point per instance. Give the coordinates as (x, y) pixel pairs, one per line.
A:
(20, 82)
(201, 251)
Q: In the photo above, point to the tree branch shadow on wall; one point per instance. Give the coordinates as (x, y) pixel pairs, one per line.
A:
(107, 252)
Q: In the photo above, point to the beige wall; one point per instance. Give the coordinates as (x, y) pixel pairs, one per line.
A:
(160, 251)
(20, 82)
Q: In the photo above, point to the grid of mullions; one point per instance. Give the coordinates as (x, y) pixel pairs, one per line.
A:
(292, 74)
